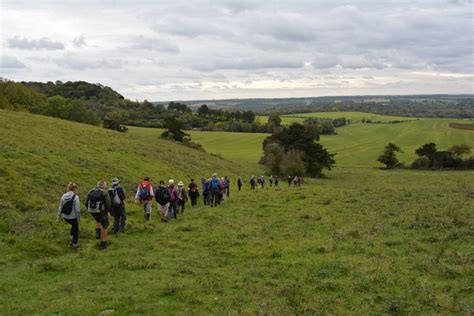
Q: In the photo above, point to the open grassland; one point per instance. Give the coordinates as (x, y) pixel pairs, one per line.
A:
(353, 117)
(355, 145)
(362, 241)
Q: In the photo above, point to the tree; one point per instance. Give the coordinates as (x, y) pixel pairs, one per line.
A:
(174, 125)
(248, 116)
(427, 150)
(203, 110)
(460, 150)
(389, 157)
(274, 121)
(292, 163)
(302, 139)
(178, 107)
(272, 158)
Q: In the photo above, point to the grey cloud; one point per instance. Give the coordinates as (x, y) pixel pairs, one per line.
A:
(77, 62)
(79, 41)
(29, 44)
(154, 44)
(7, 62)
(253, 63)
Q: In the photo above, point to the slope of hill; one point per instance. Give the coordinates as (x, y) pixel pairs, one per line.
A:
(40, 155)
(355, 145)
(363, 241)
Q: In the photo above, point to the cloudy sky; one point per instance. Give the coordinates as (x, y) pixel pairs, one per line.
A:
(172, 50)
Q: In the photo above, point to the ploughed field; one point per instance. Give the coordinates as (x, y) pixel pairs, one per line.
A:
(363, 240)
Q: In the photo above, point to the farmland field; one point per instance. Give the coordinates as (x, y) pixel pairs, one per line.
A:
(355, 144)
(353, 117)
(361, 241)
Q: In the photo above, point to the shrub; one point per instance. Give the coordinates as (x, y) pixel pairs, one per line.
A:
(422, 163)
(389, 157)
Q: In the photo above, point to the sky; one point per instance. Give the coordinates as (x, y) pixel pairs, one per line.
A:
(188, 50)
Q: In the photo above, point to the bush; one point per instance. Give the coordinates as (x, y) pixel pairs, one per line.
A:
(422, 163)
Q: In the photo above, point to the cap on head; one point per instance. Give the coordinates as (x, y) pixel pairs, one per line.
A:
(146, 179)
(180, 184)
(171, 182)
(214, 175)
(115, 181)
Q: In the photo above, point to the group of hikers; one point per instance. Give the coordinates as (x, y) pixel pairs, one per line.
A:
(273, 181)
(171, 201)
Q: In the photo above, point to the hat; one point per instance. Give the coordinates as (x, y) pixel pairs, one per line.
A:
(115, 181)
(171, 181)
(180, 183)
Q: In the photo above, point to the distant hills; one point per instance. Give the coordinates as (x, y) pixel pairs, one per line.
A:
(433, 105)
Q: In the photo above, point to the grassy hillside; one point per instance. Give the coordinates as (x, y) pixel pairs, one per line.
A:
(354, 117)
(40, 155)
(355, 145)
(362, 241)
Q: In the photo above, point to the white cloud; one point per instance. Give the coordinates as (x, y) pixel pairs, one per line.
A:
(186, 49)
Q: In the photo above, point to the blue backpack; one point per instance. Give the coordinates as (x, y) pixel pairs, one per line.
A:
(215, 185)
(144, 192)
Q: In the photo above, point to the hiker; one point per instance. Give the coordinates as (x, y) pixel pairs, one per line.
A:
(227, 185)
(262, 181)
(193, 193)
(276, 181)
(173, 198)
(296, 181)
(222, 193)
(215, 190)
(289, 181)
(144, 196)
(239, 183)
(252, 182)
(270, 180)
(117, 197)
(162, 197)
(259, 182)
(98, 205)
(182, 198)
(205, 191)
(70, 210)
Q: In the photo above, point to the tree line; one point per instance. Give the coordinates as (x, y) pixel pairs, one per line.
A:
(430, 158)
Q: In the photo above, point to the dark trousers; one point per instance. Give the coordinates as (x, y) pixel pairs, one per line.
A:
(182, 205)
(215, 198)
(205, 197)
(74, 229)
(193, 197)
(173, 208)
(228, 191)
(119, 218)
(240, 187)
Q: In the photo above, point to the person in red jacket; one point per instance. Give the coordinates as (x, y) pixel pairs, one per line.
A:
(145, 196)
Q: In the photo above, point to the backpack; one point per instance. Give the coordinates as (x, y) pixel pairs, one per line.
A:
(144, 192)
(215, 185)
(96, 201)
(116, 201)
(162, 196)
(68, 206)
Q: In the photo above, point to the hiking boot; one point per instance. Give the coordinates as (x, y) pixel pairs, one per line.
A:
(74, 247)
(147, 216)
(97, 233)
(103, 245)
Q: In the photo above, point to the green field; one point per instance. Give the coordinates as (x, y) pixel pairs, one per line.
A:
(355, 145)
(354, 117)
(361, 241)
